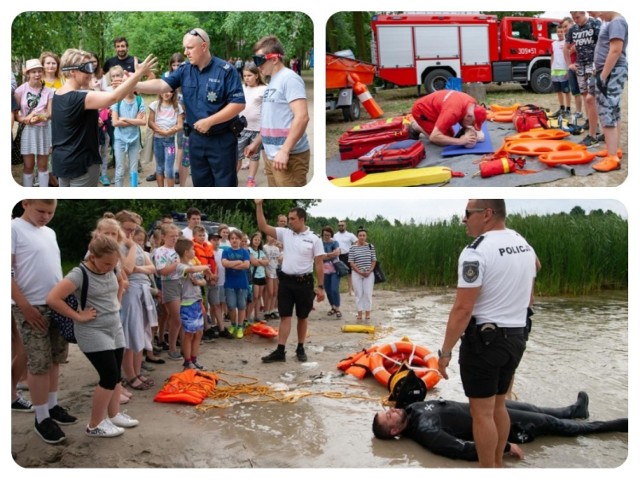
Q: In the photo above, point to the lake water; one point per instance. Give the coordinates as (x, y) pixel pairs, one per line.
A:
(576, 344)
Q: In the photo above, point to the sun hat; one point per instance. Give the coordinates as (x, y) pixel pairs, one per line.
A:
(32, 64)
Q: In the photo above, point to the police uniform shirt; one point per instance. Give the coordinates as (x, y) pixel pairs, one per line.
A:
(207, 91)
(503, 264)
(299, 250)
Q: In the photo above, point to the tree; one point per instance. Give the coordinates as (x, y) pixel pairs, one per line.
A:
(577, 210)
(501, 14)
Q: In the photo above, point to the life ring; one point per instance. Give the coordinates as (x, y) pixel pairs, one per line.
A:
(404, 351)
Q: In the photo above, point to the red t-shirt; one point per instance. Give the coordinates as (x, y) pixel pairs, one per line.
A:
(442, 109)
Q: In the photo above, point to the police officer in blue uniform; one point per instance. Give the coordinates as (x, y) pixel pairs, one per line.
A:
(213, 98)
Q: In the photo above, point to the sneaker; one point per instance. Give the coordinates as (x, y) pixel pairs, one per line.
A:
(104, 429)
(215, 331)
(61, 416)
(560, 111)
(239, 332)
(589, 141)
(188, 366)
(49, 431)
(275, 356)
(165, 346)
(578, 115)
(21, 405)
(104, 180)
(226, 334)
(607, 164)
(146, 367)
(197, 365)
(251, 182)
(123, 420)
(232, 331)
(600, 137)
(208, 335)
(175, 356)
(301, 355)
(151, 178)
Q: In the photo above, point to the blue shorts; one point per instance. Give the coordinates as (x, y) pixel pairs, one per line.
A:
(236, 298)
(191, 317)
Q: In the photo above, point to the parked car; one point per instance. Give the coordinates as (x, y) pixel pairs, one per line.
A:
(180, 220)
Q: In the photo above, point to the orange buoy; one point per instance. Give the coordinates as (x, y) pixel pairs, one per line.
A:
(361, 90)
(571, 157)
(538, 147)
(539, 134)
(408, 352)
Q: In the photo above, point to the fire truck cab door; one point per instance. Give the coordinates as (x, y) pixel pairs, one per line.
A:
(525, 38)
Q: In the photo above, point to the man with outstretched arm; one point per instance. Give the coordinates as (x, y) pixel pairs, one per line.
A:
(302, 250)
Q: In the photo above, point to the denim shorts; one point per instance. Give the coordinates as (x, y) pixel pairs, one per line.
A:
(236, 298)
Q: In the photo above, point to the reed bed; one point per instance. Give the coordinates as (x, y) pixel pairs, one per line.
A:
(580, 254)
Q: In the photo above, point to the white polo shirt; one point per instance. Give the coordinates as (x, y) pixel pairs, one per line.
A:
(503, 264)
(299, 250)
(345, 240)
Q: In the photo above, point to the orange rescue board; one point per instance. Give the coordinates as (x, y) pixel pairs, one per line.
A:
(576, 157)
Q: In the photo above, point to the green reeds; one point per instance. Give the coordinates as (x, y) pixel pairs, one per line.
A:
(580, 254)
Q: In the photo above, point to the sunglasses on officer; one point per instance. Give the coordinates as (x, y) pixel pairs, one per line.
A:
(195, 33)
(470, 211)
(87, 67)
(262, 59)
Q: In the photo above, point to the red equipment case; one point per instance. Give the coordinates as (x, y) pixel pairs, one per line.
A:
(359, 140)
(393, 156)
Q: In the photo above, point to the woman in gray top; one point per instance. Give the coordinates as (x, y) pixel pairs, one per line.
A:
(98, 331)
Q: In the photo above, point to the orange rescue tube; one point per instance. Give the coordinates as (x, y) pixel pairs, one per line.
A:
(403, 350)
(571, 157)
(500, 108)
(361, 90)
(502, 117)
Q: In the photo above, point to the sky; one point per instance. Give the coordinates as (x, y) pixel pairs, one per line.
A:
(426, 211)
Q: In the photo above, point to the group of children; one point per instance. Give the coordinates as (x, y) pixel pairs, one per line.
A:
(132, 298)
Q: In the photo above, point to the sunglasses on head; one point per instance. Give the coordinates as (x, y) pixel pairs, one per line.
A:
(195, 33)
(87, 67)
(262, 59)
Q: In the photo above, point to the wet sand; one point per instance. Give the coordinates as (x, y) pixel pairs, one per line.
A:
(329, 426)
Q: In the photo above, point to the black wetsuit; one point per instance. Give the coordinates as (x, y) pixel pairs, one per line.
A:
(444, 427)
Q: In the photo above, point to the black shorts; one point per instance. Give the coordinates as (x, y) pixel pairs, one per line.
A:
(487, 370)
(296, 294)
(260, 281)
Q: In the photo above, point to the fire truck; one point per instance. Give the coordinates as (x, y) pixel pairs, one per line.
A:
(429, 49)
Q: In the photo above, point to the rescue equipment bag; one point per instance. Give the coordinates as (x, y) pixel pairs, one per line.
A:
(362, 138)
(528, 117)
(393, 156)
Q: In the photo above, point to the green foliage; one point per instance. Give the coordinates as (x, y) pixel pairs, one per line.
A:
(232, 34)
(502, 14)
(74, 221)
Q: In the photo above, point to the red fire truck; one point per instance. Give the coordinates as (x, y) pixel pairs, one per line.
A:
(428, 49)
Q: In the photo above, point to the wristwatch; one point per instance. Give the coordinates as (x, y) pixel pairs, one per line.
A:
(442, 354)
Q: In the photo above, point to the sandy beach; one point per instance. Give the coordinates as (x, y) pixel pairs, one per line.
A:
(310, 415)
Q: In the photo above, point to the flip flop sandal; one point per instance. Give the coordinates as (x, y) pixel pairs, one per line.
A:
(143, 386)
(146, 381)
(331, 312)
(338, 314)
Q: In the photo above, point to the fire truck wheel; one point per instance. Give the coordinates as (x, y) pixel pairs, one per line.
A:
(436, 80)
(541, 80)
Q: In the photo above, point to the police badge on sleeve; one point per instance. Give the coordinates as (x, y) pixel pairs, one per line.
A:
(470, 271)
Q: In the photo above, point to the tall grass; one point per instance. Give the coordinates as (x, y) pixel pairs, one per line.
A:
(580, 254)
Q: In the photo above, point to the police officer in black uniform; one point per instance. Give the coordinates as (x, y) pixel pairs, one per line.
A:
(213, 98)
